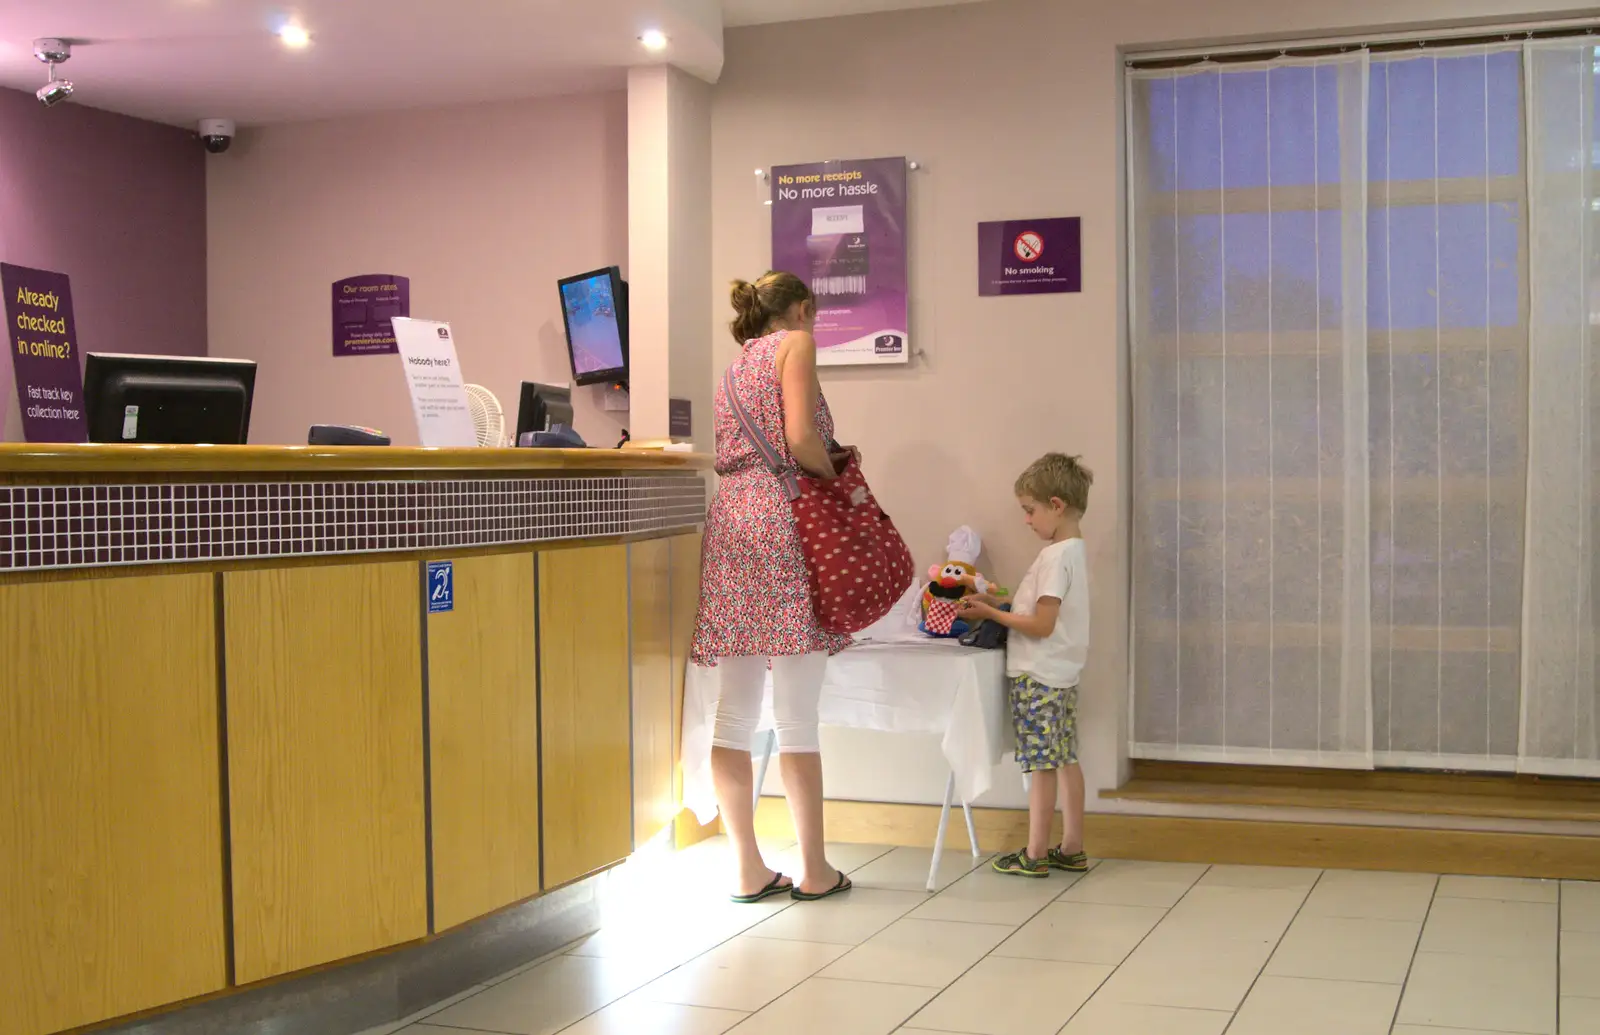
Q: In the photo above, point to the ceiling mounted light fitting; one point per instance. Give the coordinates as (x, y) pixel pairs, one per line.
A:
(52, 52)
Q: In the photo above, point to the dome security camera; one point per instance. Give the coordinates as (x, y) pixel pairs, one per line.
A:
(216, 134)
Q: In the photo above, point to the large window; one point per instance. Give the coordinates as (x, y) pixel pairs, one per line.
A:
(1331, 299)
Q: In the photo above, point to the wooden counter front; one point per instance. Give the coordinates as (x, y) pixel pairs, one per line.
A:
(240, 746)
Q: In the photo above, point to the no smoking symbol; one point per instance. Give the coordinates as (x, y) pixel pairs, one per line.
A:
(1028, 246)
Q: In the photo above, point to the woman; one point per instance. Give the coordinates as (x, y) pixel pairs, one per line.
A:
(755, 597)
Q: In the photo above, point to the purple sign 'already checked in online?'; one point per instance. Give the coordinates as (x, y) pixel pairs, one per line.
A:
(44, 354)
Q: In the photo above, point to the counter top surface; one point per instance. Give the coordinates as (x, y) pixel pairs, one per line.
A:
(56, 459)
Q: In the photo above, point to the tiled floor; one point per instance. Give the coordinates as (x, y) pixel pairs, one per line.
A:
(1131, 949)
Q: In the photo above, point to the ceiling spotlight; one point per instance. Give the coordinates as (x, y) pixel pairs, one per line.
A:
(53, 52)
(295, 37)
(653, 39)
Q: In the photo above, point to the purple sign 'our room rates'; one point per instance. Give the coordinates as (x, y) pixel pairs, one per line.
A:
(44, 354)
(363, 308)
(841, 227)
(1030, 256)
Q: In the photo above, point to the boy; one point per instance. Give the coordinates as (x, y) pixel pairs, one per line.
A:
(1045, 652)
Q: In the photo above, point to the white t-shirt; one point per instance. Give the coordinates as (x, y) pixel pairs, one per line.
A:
(1061, 571)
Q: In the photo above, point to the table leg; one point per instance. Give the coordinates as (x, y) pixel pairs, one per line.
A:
(767, 744)
(972, 832)
(938, 839)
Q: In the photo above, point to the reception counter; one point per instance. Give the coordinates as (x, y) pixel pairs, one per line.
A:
(245, 733)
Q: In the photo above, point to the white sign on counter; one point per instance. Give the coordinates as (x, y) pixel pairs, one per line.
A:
(433, 374)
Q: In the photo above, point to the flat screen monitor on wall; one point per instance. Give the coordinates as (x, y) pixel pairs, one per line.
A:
(595, 308)
(172, 400)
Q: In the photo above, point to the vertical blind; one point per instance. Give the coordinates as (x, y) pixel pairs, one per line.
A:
(1250, 581)
(1362, 296)
(1447, 362)
(1558, 679)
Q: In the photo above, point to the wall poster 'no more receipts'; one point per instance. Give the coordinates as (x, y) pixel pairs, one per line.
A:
(841, 227)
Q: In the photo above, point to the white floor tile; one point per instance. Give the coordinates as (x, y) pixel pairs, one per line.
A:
(1580, 963)
(1117, 882)
(1140, 869)
(843, 920)
(1305, 1006)
(677, 927)
(1103, 1016)
(1134, 948)
(846, 857)
(931, 953)
(1251, 914)
(1580, 906)
(1082, 932)
(1371, 895)
(744, 974)
(1497, 993)
(547, 998)
(633, 1016)
(1491, 927)
(838, 1008)
(906, 869)
(1580, 1016)
(986, 897)
(1191, 971)
(1013, 997)
(1283, 877)
(1346, 949)
(1507, 889)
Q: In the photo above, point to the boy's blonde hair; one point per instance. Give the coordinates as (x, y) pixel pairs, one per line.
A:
(1056, 476)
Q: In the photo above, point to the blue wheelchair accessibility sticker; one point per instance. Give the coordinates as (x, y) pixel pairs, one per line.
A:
(441, 587)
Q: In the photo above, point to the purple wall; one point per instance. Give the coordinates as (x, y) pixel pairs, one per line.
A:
(117, 204)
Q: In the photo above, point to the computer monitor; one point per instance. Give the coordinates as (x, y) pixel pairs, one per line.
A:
(544, 417)
(172, 400)
(594, 306)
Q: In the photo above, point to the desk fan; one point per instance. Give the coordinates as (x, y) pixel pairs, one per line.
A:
(487, 417)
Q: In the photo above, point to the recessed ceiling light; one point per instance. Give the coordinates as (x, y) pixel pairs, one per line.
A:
(654, 39)
(295, 37)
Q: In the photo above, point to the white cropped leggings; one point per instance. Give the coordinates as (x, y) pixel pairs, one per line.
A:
(796, 689)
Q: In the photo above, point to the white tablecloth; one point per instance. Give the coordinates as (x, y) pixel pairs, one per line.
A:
(907, 686)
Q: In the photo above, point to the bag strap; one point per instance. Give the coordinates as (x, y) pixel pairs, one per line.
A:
(758, 439)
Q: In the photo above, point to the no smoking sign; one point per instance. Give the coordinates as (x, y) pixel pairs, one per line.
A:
(1028, 246)
(1038, 256)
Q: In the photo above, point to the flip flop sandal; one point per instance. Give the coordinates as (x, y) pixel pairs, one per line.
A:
(842, 886)
(775, 886)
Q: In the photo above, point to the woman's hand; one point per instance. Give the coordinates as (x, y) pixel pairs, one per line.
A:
(982, 598)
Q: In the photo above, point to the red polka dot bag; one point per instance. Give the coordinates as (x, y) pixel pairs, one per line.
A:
(859, 565)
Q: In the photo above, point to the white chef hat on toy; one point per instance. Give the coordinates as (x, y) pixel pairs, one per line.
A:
(964, 546)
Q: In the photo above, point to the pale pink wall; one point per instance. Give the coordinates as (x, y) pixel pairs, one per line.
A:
(1014, 109)
(484, 208)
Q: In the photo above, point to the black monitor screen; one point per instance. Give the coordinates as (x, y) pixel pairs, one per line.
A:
(171, 400)
(595, 308)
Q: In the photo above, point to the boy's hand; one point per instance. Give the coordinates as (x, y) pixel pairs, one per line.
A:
(972, 607)
(981, 598)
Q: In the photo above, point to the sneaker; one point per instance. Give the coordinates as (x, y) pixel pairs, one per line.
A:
(1077, 862)
(1018, 864)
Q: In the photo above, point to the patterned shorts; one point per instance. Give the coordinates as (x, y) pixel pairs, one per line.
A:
(1046, 721)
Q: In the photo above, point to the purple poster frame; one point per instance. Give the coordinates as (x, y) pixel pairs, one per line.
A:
(363, 308)
(44, 354)
(841, 227)
(1030, 256)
